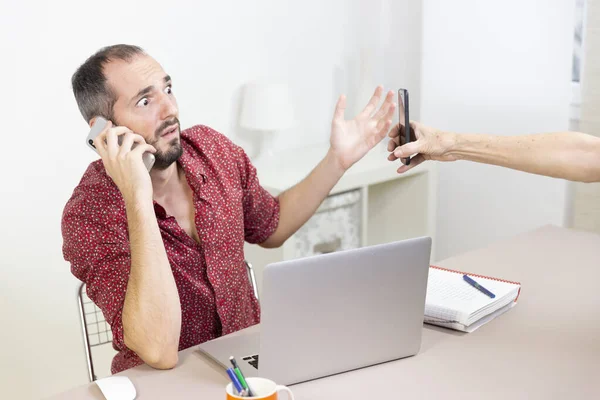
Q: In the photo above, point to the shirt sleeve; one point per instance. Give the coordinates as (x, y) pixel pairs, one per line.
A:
(261, 209)
(99, 254)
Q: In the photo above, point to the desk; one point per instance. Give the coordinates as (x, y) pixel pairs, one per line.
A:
(547, 347)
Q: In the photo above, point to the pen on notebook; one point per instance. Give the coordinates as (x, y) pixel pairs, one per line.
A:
(240, 376)
(478, 286)
(236, 383)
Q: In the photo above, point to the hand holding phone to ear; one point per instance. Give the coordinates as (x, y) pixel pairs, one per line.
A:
(122, 153)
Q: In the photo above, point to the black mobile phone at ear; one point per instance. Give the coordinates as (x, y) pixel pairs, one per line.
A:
(98, 126)
(403, 112)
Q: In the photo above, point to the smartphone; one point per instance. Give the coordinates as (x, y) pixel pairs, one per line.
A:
(403, 112)
(98, 126)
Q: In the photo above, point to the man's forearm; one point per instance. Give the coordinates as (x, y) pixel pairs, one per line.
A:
(152, 311)
(300, 202)
(566, 155)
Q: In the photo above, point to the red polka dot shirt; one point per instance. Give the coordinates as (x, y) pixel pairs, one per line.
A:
(231, 207)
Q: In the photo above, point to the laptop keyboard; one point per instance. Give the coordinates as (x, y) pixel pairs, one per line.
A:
(252, 360)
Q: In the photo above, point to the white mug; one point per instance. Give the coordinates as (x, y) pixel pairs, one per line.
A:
(262, 389)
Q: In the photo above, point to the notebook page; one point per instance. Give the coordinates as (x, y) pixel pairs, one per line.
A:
(475, 325)
(450, 297)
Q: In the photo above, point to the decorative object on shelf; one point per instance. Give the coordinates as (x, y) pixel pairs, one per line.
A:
(266, 109)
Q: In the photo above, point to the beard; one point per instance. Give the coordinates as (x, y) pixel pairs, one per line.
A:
(165, 157)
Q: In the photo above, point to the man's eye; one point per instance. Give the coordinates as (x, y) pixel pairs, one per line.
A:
(143, 102)
(169, 90)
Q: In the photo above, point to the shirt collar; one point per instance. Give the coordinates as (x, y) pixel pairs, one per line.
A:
(191, 162)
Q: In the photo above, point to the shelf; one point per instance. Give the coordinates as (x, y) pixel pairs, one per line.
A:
(287, 168)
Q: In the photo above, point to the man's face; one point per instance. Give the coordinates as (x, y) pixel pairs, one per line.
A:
(146, 105)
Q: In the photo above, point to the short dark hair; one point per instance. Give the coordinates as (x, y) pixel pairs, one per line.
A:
(93, 95)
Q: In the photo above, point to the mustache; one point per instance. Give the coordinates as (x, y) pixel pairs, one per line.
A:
(165, 125)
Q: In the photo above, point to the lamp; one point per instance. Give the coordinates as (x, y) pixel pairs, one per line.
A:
(267, 109)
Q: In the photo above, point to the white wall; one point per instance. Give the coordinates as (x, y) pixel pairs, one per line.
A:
(487, 66)
(210, 48)
(500, 67)
(586, 213)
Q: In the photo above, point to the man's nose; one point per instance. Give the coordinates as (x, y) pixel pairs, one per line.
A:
(168, 107)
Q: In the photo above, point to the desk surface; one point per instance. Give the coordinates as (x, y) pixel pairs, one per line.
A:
(547, 347)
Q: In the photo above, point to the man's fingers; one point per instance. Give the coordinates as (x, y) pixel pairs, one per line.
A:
(139, 139)
(112, 139)
(141, 149)
(384, 109)
(340, 108)
(126, 143)
(386, 114)
(112, 145)
(382, 130)
(370, 108)
(389, 115)
(383, 122)
(100, 147)
(129, 138)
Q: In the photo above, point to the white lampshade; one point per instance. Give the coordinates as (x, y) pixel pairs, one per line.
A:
(266, 107)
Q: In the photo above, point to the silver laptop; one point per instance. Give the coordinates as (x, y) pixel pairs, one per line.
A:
(332, 313)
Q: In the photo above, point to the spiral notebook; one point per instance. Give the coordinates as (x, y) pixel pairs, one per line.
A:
(452, 303)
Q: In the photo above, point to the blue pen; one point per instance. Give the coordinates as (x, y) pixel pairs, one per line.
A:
(478, 286)
(236, 383)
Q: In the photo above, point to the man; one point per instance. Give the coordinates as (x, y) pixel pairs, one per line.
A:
(161, 253)
(567, 155)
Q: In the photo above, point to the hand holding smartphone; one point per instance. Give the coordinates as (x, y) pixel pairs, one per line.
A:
(99, 125)
(404, 119)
